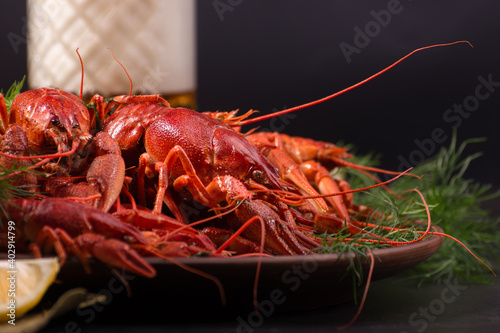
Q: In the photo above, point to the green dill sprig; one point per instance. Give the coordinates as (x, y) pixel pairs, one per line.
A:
(456, 206)
(351, 247)
(14, 90)
(15, 171)
(10, 191)
(458, 210)
(391, 219)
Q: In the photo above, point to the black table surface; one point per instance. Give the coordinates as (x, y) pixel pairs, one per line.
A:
(392, 306)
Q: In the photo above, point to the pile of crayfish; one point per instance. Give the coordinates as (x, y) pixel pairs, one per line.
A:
(135, 187)
(124, 178)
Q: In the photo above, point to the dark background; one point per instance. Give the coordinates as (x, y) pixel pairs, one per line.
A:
(267, 55)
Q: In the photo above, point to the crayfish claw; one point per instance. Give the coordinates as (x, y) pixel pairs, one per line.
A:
(115, 253)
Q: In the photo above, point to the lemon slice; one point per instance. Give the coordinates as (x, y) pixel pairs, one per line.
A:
(23, 285)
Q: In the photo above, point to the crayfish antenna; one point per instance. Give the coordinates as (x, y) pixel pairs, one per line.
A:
(365, 293)
(81, 64)
(350, 191)
(205, 275)
(259, 260)
(129, 78)
(465, 247)
(424, 233)
(34, 166)
(324, 99)
(362, 168)
(76, 144)
(187, 268)
(233, 237)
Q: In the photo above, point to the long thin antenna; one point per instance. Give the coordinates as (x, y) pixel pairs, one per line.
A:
(129, 78)
(81, 82)
(321, 100)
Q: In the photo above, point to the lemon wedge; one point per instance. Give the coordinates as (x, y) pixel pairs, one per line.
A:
(23, 285)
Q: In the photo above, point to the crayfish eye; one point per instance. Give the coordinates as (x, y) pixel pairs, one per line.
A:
(55, 122)
(259, 176)
(75, 125)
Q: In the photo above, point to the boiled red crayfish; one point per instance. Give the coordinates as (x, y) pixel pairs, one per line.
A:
(46, 124)
(212, 162)
(120, 239)
(200, 153)
(201, 156)
(61, 224)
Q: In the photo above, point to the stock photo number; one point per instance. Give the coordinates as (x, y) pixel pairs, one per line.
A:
(11, 272)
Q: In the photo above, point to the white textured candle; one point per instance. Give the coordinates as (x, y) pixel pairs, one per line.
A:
(153, 39)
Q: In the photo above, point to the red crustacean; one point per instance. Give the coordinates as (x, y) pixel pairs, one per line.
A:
(56, 223)
(312, 160)
(201, 156)
(120, 239)
(52, 118)
(65, 225)
(46, 124)
(216, 164)
(55, 124)
(28, 132)
(15, 143)
(104, 177)
(194, 151)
